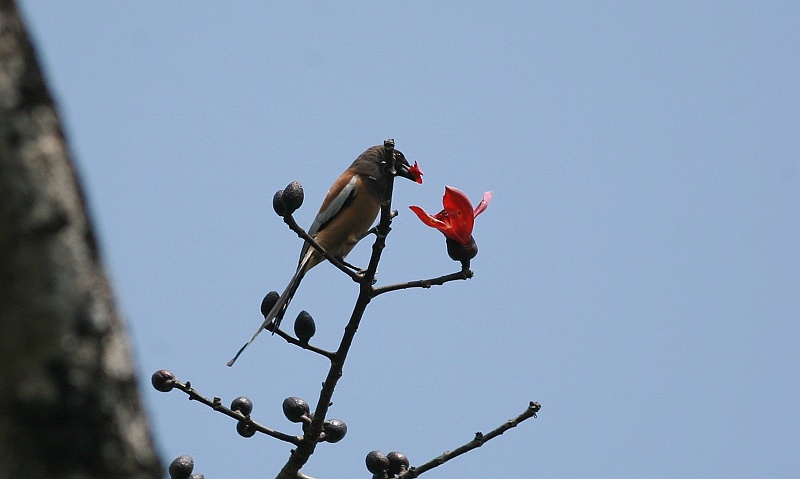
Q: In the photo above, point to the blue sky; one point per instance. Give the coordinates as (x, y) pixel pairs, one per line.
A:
(639, 264)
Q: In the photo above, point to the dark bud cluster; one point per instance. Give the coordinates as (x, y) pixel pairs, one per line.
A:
(295, 409)
(245, 429)
(242, 404)
(163, 380)
(333, 430)
(286, 201)
(377, 462)
(398, 463)
(390, 464)
(277, 203)
(304, 327)
(268, 302)
(182, 467)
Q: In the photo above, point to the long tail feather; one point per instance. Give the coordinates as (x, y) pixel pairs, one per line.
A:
(279, 309)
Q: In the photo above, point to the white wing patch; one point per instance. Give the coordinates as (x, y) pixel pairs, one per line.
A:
(332, 209)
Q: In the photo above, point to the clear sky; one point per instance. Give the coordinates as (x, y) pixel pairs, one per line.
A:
(639, 267)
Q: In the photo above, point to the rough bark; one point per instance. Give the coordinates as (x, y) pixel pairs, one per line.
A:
(69, 405)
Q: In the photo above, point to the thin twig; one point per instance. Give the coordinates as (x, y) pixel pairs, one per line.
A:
(424, 283)
(479, 441)
(290, 221)
(292, 340)
(374, 229)
(216, 404)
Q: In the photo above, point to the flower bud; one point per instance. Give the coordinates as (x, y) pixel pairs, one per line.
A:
(181, 467)
(242, 404)
(292, 197)
(398, 462)
(245, 429)
(295, 408)
(304, 327)
(268, 302)
(377, 462)
(277, 203)
(163, 380)
(334, 430)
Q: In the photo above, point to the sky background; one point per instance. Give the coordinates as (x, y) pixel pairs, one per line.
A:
(639, 267)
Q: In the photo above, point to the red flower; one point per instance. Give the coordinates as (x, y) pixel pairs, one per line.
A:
(416, 173)
(457, 218)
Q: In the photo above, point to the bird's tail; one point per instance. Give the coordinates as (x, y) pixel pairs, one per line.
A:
(279, 309)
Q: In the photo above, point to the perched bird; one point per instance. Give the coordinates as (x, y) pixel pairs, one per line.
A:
(347, 212)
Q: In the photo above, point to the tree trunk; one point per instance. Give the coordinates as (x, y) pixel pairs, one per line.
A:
(69, 405)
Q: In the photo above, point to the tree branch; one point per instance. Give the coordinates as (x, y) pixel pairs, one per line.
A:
(292, 340)
(480, 440)
(216, 404)
(424, 283)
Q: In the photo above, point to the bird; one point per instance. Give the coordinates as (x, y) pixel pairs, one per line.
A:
(346, 214)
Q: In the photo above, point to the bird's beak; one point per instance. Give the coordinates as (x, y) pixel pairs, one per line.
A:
(413, 173)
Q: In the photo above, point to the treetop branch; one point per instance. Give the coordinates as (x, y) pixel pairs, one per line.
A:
(165, 381)
(424, 283)
(479, 440)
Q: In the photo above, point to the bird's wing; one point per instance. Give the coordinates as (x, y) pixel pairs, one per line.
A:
(333, 204)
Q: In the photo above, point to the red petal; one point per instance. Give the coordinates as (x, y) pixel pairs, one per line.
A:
(428, 219)
(416, 172)
(483, 204)
(460, 213)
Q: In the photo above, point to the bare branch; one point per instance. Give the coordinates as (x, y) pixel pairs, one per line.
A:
(424, 283)
(216, 404)
(479, 441)
(292, 340)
